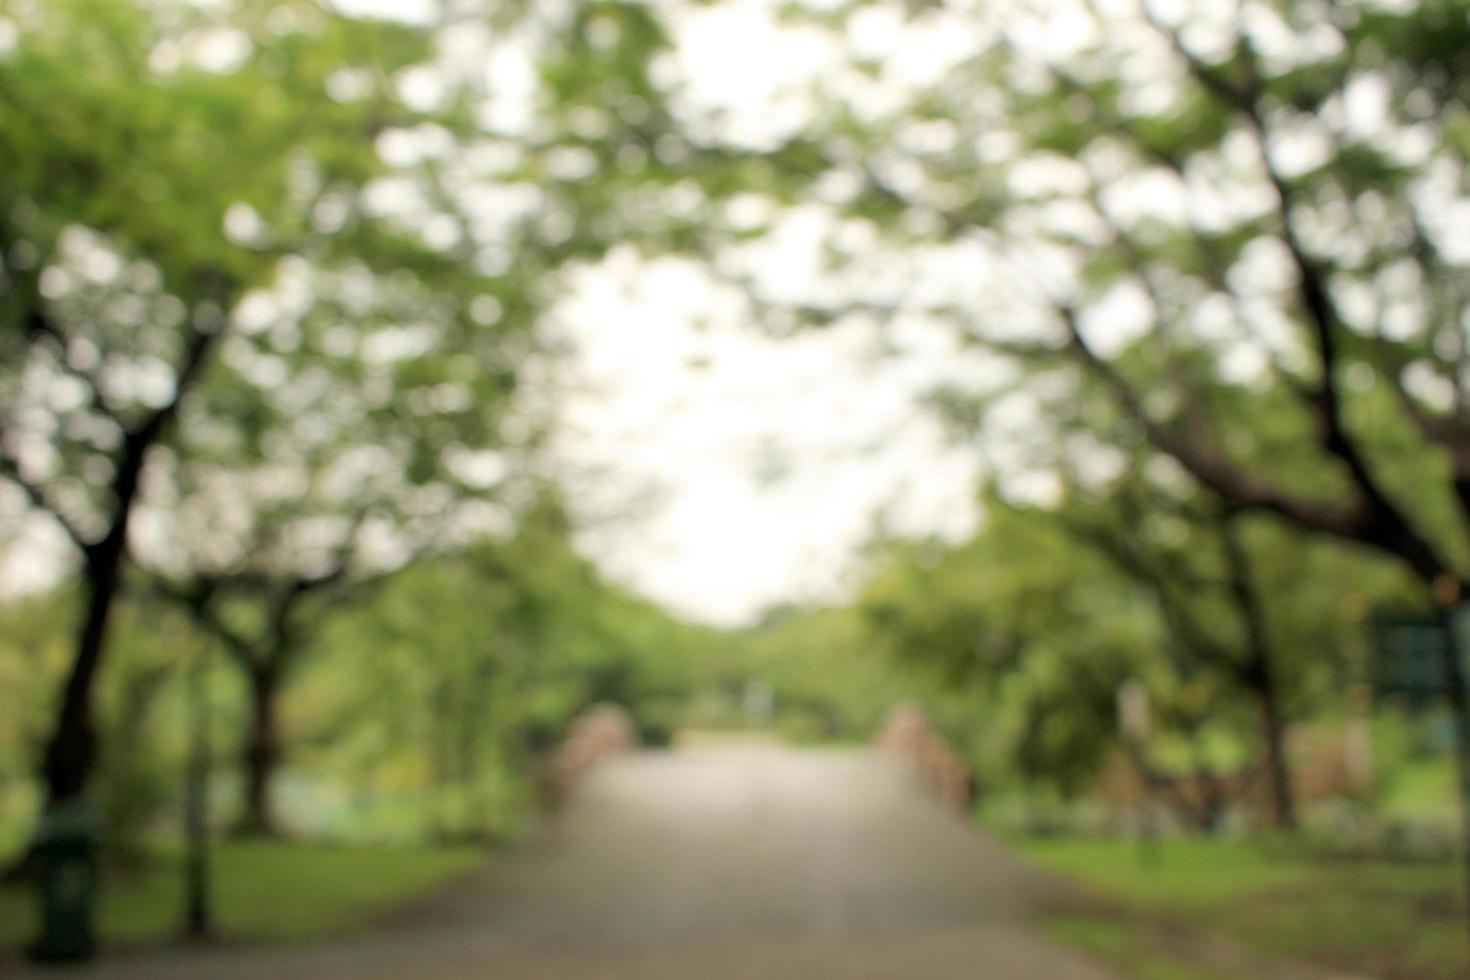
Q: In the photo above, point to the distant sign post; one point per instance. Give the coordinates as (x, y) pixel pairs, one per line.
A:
(1408, 653)
(1423, 657)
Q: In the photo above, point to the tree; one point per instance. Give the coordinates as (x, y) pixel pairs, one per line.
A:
(340, 439)
(1328, 269)
(1029, 631)
(265, 655)
(377, 400)
(462, 675)
(1239, 219)
(1198, 566)
(1246, 205)
(280, 150)
(143, 196)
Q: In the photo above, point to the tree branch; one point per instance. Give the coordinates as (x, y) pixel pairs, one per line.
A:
(1374, 518)
(1210, 468)
(199, 598)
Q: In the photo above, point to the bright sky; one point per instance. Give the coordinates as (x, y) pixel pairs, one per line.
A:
(762, 465)
(768, 461)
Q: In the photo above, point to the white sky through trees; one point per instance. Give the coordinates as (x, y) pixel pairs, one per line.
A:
(722, 470)
(768, 461)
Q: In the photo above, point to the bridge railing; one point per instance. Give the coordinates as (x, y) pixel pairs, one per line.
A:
(600, 733)
(909, 737)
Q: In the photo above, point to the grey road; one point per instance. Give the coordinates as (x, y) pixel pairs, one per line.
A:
(733, 861)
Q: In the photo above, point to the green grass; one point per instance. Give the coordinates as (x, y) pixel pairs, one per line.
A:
(1383, 918)
(1421, 789)
(263, 891)
(1122, 945)
(1194, 873)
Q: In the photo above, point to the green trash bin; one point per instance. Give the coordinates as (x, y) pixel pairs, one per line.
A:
(66, 851)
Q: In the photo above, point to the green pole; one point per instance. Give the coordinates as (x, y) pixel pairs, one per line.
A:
(1458, 696)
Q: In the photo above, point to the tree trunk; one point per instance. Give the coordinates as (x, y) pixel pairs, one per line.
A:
(1283, 803)
(262, 754)
(71, 753)
(1259, 674)
(1210, 795)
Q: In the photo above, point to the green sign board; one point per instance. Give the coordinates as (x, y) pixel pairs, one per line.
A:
(1408, 653)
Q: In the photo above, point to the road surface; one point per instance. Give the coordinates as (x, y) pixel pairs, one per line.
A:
(724, 861)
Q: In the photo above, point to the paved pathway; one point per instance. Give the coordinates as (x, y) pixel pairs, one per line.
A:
(739, 861)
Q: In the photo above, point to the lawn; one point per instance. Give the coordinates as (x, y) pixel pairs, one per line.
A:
(263, 891)
(1397, 920)
(1421, 790)
(1126, 945)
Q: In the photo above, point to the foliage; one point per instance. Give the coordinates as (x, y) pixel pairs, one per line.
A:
(811, 674)
(464, 671)
(426, 712)
(138, 716)
(274, 329)
(1037, 621)
(1032, 627)
(1210, 245)
(145, 195)
(1231, 223)
(317, 244)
